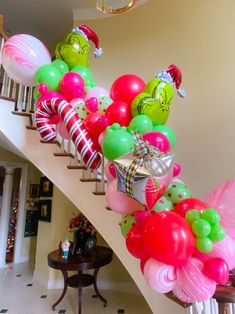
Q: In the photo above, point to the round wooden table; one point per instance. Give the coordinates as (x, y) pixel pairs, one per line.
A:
(100, 257)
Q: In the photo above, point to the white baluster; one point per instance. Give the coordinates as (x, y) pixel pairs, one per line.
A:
(9, 87)
(4, 84)
(19, 101)
(24, 104)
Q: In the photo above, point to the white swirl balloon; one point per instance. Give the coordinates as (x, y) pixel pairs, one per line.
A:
(22, 55)
(159, 276)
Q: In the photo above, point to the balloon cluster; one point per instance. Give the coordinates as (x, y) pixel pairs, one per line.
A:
(179, 240)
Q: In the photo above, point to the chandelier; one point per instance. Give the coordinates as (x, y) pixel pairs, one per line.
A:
(113, 6)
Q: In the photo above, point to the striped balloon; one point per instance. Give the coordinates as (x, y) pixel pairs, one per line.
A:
(22, 55)
(74, 126)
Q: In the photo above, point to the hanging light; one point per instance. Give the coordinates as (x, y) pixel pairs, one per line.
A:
(113, 6)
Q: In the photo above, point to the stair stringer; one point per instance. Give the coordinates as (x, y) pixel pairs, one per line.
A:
(81, 195)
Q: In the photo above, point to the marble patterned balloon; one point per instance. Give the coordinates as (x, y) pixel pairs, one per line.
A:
(22, 55)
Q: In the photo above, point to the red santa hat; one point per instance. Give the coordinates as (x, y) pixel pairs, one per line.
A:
(89, 34)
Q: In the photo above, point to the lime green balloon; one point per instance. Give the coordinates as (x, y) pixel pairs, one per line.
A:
(217, 233)
(49, 75)
(211, 215)
(155, 101)
(141, 124)
(36, 93)
(192, 215)
(118, 141)
(168, 132)
(162, 204)
(201, 228)
(73, 50)
(204, 245)
(126, 223)
(61, 66)
(176, 192)
(86, 74)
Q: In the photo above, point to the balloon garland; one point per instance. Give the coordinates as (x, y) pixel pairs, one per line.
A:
(184, 245)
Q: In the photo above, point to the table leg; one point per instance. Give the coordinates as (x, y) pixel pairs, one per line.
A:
(65, 275)
(96, 289)
(79, 292)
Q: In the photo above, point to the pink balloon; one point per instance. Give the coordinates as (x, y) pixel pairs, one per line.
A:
(119, 202)
(176, 169)
(217, 269)
(159, 276)
(92, 104)
(141, 216)
(96, 92)
(109, 175)
(47, 95)
(61, 128)
(72, 86)
(112, 170)
(193, 282)
(224, 249)
(181, 295)
(222, 198)
(158, 140)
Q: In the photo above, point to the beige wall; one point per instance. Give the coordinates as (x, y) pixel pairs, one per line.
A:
(198, 36)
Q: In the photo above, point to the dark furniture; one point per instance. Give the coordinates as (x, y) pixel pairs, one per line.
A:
(99, 257)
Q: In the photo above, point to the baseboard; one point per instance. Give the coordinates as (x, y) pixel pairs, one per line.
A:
(21, 259)
(128, 287)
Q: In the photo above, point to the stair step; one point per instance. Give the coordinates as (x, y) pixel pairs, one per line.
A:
(108, 208)
(99, 193)
(8, 98)
(76, 167)
(21, 113)
(31, 127)
(63, 155)
(90, 180)
(52, 142)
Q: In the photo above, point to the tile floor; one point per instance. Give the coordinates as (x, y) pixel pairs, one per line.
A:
(20, 295)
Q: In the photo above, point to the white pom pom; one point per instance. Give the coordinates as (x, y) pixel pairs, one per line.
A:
(181, 92)
(98, 52)
(165, 76)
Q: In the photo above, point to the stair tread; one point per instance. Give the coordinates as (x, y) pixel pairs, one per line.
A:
(8, 98)
(63, 155)
(99, 193)
(21, 113)
(52, 142)
(90, 180)
(76, 167)
(31, 127)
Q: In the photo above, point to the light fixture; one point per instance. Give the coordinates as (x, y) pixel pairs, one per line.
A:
(113, 6)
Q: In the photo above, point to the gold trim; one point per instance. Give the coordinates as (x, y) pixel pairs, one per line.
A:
(104, 9)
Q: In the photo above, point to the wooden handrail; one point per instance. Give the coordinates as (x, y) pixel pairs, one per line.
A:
(2, 32)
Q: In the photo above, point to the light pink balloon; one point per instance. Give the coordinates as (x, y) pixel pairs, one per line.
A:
(224, 249)
(222, 198)
(22, 55)
(119, 202)
(96, 92)
(192, 281)
(181, 295)
(61, 128)
(159, 276)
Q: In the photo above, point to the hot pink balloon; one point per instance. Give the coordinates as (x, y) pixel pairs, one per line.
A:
(119, 202)
(193, 282)
(222, 198)
(46, 94)
(157, 140)
(92, 104)
(72, 86)
(96, 92)
(217, 269)
(109, 175)
(22, 55)
(141, 216)
(176, 169)
(159, 276)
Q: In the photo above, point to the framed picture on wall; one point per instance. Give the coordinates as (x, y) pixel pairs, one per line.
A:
(44, 210)
(46, 187)
(34, 190)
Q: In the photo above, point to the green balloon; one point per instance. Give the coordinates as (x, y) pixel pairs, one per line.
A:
(204, 245)
(118, 141)
(141, 124)
(36, 93)
(49, 75)
(74, 50)
(155, 101)
(103, 103)
(201, 228)
(176, 192)
(126, 223)
(211, 215)
(217, 233)
(162, 204)
(86, 74)
(192, 215)
(61, 66)
(168, 132)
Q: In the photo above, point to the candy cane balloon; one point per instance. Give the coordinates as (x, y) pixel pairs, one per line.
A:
(74, 126)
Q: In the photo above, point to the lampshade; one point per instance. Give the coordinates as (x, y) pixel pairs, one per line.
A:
(113, 6)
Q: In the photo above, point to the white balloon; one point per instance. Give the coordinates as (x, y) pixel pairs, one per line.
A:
(22, 55)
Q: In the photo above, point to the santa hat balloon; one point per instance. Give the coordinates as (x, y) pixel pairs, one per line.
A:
(89, 34)
(172, 74)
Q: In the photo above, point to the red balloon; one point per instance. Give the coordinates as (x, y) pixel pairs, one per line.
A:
(126, 87)
(135, 243)
(143, 261)
(187, 204)
(217, 269)
(119, 112)
(168, 238)
(72, 86)
(159, 140)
